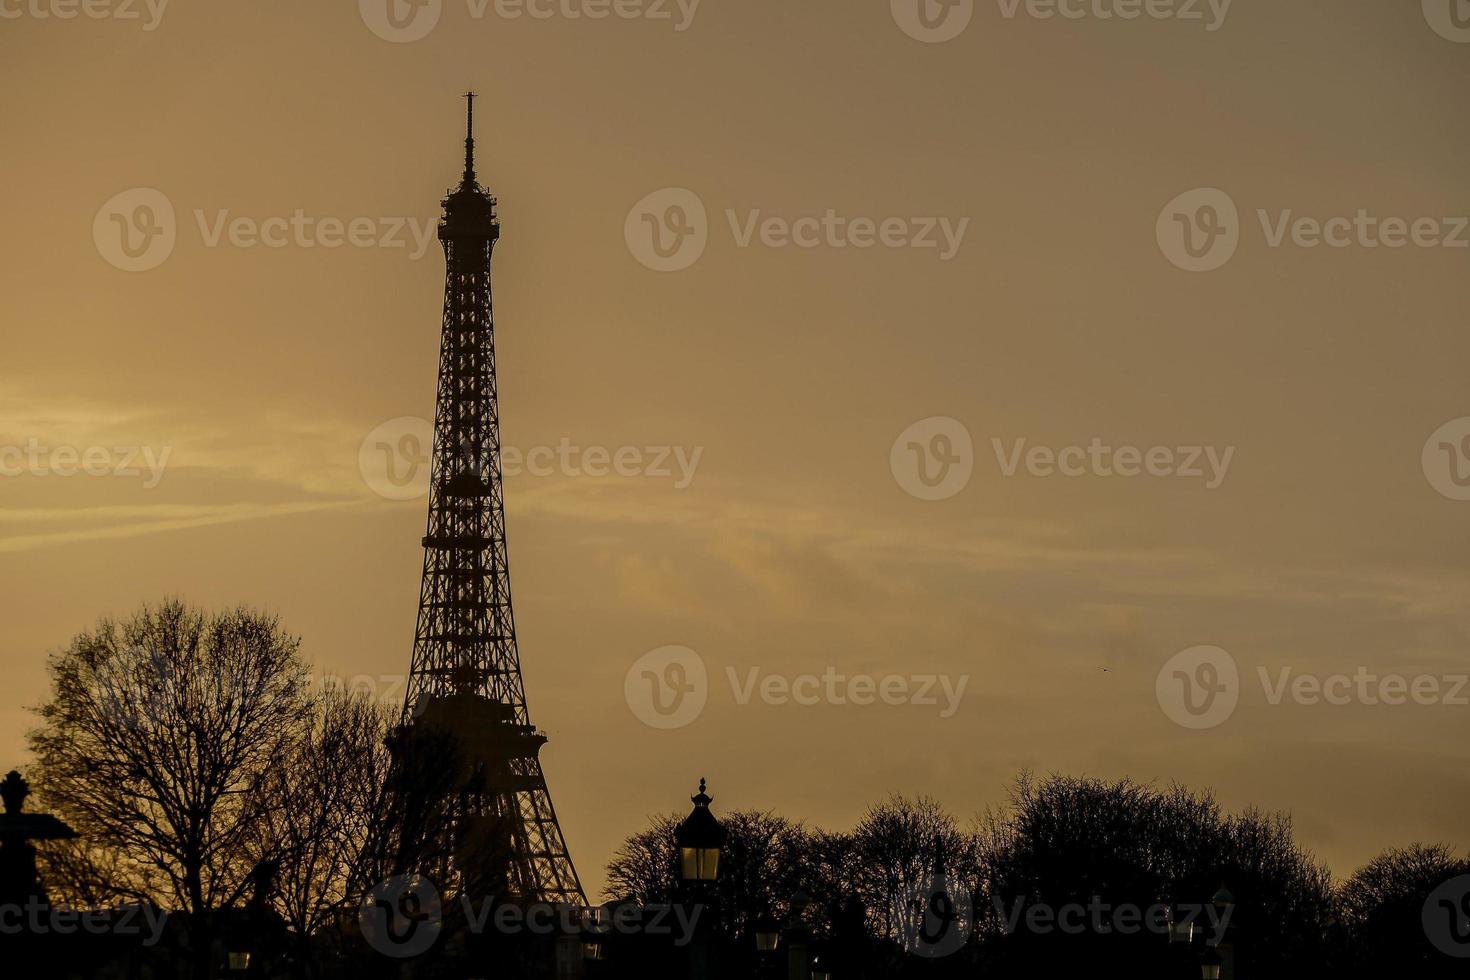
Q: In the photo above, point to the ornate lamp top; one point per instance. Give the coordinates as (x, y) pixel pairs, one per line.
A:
(14, 789)
(700, 829)
(27, 826)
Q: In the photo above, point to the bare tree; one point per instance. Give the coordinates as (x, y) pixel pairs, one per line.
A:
(1064, 840)
(644, 868)
(157, 741)
(321, 802)
(897, 847)
(1381, 909)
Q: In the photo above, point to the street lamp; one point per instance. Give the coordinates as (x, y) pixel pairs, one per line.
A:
(821, 970)
(767, 933)
(700, 839)
(1209, 964)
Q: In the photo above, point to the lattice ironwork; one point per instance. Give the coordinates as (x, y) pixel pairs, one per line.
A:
(466, 670)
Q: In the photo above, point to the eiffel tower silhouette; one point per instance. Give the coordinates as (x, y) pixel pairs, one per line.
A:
(466, 673)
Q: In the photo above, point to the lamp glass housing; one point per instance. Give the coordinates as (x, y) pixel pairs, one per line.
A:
(699, 863)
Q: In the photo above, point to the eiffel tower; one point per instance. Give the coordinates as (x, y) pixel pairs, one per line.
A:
(466, 674)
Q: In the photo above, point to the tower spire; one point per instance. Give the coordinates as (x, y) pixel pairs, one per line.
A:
(469, 141)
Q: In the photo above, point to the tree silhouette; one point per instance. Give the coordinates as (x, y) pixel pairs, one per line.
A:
(159, 744)
(1382, 912)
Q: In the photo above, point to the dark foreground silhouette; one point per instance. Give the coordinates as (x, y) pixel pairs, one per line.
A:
(200, 807)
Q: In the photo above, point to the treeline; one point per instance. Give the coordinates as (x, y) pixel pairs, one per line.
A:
(205, 773)
(1076, 876)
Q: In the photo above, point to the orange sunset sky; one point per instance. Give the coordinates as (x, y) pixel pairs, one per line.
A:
(794, 547)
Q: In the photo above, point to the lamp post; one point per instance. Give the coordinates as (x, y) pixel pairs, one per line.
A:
(1209, 964)
(798, 939)
(700, 838)
(1223, 941)
(767, 933)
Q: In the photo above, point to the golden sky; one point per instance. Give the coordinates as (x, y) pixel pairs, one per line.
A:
(1049, 148)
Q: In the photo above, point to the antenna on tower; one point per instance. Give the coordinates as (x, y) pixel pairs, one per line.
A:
(469, 142)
